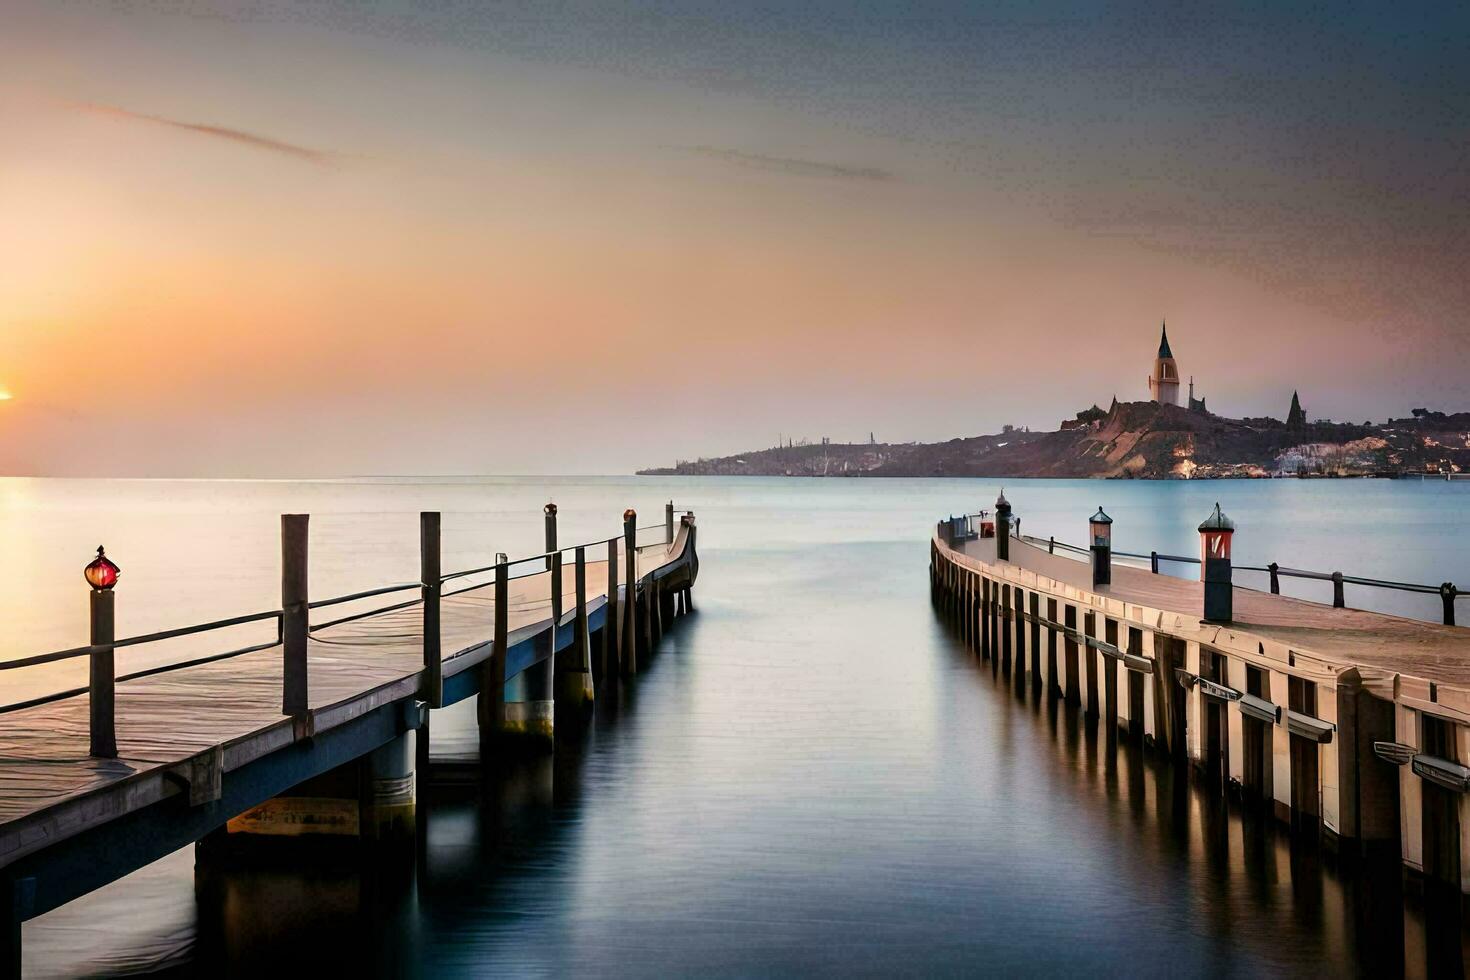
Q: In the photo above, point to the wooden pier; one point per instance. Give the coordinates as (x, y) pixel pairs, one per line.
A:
(98, 782)
(1348, 723)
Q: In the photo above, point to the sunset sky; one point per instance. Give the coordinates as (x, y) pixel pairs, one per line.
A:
(314, 239)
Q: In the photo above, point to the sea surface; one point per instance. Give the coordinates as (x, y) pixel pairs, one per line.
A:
(811, 777)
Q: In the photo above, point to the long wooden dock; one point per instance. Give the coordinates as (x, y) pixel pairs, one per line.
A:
(1342, 721)
(201, 745)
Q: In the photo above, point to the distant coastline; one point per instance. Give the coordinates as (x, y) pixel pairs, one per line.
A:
(1133, 440)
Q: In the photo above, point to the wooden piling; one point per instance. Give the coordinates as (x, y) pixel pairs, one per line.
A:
(574, 688)
(1005, 626)
(984, 616)
(491, 706)
(630, 605)
(1072, 668)
(295, 617)
(431, 682)
(612, 624)
(102, 682)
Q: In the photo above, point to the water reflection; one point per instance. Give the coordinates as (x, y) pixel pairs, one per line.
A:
(1349, 913)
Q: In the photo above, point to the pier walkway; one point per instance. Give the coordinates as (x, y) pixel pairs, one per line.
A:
(1344, 722)
(208, 743)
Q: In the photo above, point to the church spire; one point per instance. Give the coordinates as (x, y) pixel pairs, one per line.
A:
(1164, 350)
(1297, 416)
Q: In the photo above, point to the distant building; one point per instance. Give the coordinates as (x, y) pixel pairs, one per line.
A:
(1163, 384)
(1296, 416)
(1195, 404)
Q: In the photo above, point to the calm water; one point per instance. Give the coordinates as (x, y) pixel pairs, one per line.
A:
(812, 777)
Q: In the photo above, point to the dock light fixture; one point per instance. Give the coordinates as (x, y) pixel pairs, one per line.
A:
(1100, 540)
(1002, 526)
(101, 572)
(1214, 542)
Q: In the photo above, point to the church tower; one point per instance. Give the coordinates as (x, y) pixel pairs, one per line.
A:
(1296, 416)
(1163, 384)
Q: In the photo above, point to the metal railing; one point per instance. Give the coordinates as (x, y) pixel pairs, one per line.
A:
(292, 620)
(1447, 592)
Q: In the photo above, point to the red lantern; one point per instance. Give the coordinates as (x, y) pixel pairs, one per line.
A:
(101, 573)
(1214, 536)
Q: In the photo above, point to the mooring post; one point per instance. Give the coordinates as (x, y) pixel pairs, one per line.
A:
(294, 614)
(1338, 599)
(1100, 533)
(553, 562)
(612, 626)
(491, 707)
(583, 640)
(1275, 571)
(1153, 562)
(630, 604)
(101, 574)
(1002, 527)
(431, 681)
(1051, 545)
(669, 522)
(1447, 595)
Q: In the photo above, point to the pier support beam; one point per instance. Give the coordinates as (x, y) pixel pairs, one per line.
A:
(1235, 723)
(612, 623)
(1280, 751)
(1089, 660)
(1053, 680)
(1072, 667)
(574, 691)
(1368, 807)
(630, 641)
(369, 801)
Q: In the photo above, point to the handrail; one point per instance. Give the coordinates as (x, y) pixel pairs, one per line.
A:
(521, 561)
(1447, 591)
(370, 593)
(294, 628)
(169, 634)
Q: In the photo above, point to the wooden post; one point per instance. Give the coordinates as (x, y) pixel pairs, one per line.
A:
(630, 604)
(431, 681)
(491, 707)
(1275, 571)
(102, 681)
(1447, 595)
(583, 641)
(1337, 596)
(1051, 545)
(669, 522)
(574, 665)
(294, 614)
(612, 627)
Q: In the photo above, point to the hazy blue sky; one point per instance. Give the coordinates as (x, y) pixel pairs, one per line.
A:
(320, 238)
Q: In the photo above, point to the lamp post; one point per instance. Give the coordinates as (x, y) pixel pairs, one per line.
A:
(1214, 541)
(1100, 538)
(101, 574)
(1002, 527)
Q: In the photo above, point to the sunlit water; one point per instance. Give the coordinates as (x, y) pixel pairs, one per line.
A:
(811, 776)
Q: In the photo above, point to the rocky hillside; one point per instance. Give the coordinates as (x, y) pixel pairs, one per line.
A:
(1141, 440)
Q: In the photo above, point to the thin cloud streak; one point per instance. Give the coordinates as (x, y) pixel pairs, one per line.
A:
(321, 158)
(791, 165)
